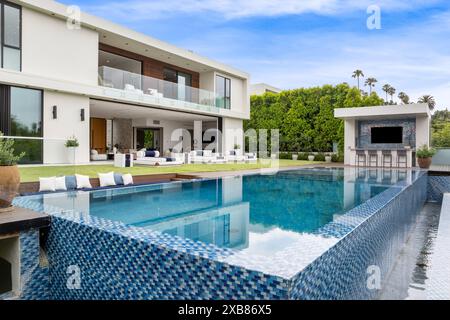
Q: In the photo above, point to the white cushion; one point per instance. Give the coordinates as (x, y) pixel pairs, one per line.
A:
(60, 183)
(207, 153)
(47, 184)
(156, 154)
(106, 179)
(140, 154)
(127, 179)
(82, 181)
(94, 152)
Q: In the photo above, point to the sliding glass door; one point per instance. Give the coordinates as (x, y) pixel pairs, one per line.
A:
(177, 85)
(148, 138)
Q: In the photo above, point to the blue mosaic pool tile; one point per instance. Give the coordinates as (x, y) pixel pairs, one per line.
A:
(437, 186)
(341, 272)
(123, 262)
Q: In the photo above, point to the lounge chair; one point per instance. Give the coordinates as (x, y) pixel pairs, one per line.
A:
(95, 156)
(142, 158)
(202, 156)
(235, 155)
(250, 157)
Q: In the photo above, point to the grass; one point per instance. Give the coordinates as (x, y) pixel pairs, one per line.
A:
(30, 174)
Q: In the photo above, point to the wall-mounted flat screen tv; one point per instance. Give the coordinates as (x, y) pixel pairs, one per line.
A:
(386, 134)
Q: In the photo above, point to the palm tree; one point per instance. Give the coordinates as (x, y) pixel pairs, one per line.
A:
(371, 83)
(391, 92)
(385, 88)
(429, 100)
(356, 74)
(404, 98)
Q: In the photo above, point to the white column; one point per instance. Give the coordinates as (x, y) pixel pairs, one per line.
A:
(349, 141)
(198, 127)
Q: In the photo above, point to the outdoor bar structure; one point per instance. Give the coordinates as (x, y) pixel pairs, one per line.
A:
(384, 136)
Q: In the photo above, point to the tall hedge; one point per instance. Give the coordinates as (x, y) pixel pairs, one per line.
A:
(305, 116)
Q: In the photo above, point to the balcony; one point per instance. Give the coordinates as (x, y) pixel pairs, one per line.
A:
(132, 86)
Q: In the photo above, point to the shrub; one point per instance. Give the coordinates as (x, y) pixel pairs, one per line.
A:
(285, 155)
(337, 158)
(303, 156)
(7, 157)
(72, 142)
(425, 152)
(319, 157)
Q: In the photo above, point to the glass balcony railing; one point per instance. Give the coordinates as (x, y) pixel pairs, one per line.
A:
(147, 89)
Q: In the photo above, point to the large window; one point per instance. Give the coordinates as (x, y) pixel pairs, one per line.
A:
(182, 89)
(10, 29)
(21, 116)
(223, 92)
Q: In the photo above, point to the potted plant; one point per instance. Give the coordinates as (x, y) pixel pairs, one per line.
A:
(311, 157)
(424, 155)
(328, 158)
(72, 144)
(9, 174)
(295, 156)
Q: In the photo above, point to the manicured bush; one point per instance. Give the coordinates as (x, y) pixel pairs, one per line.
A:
(337, 158)
(319, 157)
(285, 155)
(303, 156)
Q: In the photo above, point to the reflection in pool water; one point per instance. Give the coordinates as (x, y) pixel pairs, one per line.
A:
(261, 214)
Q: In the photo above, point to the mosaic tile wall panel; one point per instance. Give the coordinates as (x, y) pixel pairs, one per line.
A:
(437, 186)
(34, 278)
(364, 135)
(341, 273)
(113, 266)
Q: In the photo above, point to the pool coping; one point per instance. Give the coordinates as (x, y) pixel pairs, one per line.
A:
(334, 231)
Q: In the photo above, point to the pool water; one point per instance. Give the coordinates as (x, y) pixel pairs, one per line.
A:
(239, 212)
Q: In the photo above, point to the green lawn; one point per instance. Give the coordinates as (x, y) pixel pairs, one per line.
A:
(28, 174)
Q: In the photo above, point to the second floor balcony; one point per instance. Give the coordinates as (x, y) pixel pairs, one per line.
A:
(133, 86)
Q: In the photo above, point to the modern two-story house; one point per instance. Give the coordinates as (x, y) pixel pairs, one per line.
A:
(109, 86)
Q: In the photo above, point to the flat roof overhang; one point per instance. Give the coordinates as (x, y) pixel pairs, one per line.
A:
(384, 112)
(116, 35)
(115, 110)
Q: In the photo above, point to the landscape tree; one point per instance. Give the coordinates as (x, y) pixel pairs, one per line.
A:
(385, 88)
(391, 92)
(371, 83)
(357, 74)
(404, 98)
(428, 99)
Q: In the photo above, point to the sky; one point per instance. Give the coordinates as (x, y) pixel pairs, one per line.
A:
(303, 43)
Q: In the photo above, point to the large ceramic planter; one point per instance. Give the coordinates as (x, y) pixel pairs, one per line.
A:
(311, 158)
(328, 159)
(9, 186)
(295, 157)
(71, 155)
(424, 163)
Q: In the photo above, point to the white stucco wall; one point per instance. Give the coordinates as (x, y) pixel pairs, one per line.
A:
(52, 50)
(240, 98)
(67, 124)
(349, 140)
(423, 131)
(232, 133)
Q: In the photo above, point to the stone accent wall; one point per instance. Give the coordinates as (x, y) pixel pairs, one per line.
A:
(364, 134)
(123, 133)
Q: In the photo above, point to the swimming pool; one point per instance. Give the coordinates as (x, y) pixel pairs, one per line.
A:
(266, 230)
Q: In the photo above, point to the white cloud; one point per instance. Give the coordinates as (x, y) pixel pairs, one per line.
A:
(231, 9)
